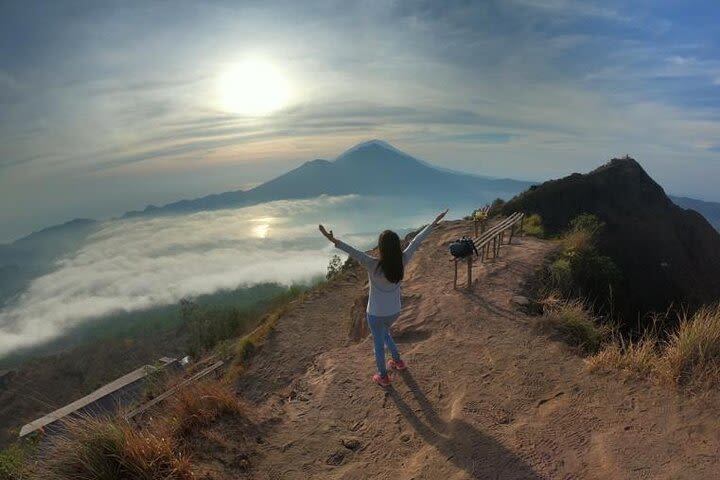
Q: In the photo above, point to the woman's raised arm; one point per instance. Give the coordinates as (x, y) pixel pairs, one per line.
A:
(417, 239)
(361, 257)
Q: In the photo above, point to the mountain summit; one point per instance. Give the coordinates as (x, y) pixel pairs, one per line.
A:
(377, 153)
(668, 255)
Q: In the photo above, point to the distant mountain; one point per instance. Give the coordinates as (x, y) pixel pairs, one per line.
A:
(370, 168)
(35, 254)
(668, 255)
(709, 210)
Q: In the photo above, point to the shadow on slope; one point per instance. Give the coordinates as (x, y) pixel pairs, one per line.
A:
(469, 449)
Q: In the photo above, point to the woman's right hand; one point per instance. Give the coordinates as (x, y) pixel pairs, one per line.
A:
(329, 235)
(441, 216)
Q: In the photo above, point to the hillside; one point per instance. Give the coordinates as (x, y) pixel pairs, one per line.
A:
(667, 255)
(35, 254)
(485, 395)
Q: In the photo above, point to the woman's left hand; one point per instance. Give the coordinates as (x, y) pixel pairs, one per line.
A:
(329, 235)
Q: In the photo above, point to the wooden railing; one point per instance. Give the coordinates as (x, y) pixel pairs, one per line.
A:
(490, 241)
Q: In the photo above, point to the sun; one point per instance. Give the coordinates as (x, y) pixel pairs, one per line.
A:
(253, 87)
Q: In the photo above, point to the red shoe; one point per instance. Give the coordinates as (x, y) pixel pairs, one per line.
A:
(382, 380)
(399, 365)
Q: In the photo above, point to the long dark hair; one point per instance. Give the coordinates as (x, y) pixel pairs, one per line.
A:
(391, 258)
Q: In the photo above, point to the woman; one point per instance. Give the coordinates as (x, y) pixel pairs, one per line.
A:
(385, 273)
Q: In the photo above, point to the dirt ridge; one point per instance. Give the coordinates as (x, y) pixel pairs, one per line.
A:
(485, 396)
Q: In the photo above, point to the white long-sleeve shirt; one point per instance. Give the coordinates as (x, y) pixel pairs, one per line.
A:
(384, 297)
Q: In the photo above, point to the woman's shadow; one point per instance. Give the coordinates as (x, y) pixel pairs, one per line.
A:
(478, 454)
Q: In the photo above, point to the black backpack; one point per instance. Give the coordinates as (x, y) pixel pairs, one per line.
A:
(463, 248)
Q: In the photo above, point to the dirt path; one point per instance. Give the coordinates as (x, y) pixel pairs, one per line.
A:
(485, 395)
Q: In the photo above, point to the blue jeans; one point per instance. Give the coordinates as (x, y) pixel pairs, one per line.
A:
(380, 328)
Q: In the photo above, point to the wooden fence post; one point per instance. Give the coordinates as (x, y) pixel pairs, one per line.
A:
(455, 279)
(469, 275)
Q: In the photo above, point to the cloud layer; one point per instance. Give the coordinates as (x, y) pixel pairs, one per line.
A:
(135, 264)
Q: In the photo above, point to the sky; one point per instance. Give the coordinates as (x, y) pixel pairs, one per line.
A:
(109, 106)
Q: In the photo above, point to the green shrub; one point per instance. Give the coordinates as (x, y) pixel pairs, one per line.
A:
(560, 276)
(245, 348)
(334, 267)
(581, 271)
(587, 222)
(12, 463)
(596, 275)
(532, 225)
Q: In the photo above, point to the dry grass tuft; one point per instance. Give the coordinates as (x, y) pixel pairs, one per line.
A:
(199, 405)
(110, 449)
(692, 353)
(690, 357)
(574, 323)
(578, 240)
(639, 357)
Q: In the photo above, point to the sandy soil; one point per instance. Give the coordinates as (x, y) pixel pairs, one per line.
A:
(485, 395)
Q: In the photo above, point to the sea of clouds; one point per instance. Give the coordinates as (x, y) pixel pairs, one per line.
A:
(134, 264)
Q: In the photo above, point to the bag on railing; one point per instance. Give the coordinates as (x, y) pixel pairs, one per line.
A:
(462, 248)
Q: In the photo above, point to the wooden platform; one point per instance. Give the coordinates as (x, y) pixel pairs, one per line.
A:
(103, 399)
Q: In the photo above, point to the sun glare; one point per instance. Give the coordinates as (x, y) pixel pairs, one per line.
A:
(262, 226)
(253, 87)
